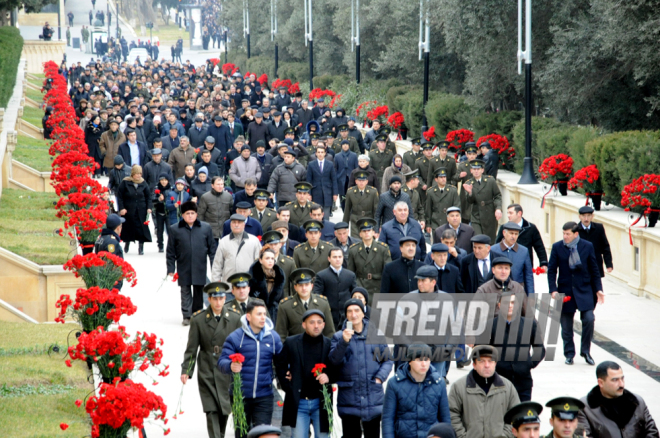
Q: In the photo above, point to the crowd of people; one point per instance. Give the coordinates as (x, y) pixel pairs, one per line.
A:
(246, 177)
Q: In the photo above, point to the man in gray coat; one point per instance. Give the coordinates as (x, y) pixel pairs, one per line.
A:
(244, 167)
(198, 132)
(189, 243)
(285, 177)
(215, 206)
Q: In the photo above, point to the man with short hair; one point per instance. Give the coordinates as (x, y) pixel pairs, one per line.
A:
(215, 206)
(387, 201)
(156, 167)
(402, 225)
(180, 157)
(285, 182)
(573, 271)
(463, 232)
(188, 245)
(259, 343)
(521, 270)
(368, 258)
(323, 178)
(611, 410)
(529, 235)
(328, 228)
(399, 275)
(564, 417)
(476, 267)
(291, 232)
(336, 283)
(205, 160)
(479, 400)
(252, 225)
(265, 163)
(133, 152)
(236, 251)
(595, 233)
(314, 253)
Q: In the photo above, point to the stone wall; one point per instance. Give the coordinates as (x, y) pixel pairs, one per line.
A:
(36, 52)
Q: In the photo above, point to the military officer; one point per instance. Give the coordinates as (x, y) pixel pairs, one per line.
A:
(525, 419)
(361, 201)
(274, 240)
(439, 199)
(292, 309)
(442, 160)
(240, 289)
(311, 147)
(368, 258)
(381, 158)
(314, 253)
(208, 330)
(412, 155)
(343, 135)
(463, 175)
(486, 200)
(301, 207)
(411, 187)
(564, 417)
(389, 144)
(424, 166)
(109, 238)
(266, 216)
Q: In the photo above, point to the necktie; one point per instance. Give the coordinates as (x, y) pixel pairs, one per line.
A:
(243, 307)
(367, 250)
(261, 216)
(484, 268)
(217, 318)
(479, 182)
(321, 166)
(314, 250)
(305, 306)
(361, 193)
(442, 191)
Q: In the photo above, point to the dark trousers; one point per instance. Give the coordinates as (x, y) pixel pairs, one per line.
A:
(352, 429)
(191, 301)
(257, 411)
(162, 224)
(216, 423)
(525, 394)
(588, 319)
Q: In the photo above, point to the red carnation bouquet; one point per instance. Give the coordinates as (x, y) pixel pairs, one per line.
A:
(556, 168)
(263, 79)
(121, 406)
(317, 93)
(396, 120)
(501, 144)
(214, 61)
(378, 112)
(430, 134)
(327, 395)
(229, 68)
(458, 138)
(237, 405)
(95, 307)
(103, 269)
(335, 101)
(641, 195)
(586, 179)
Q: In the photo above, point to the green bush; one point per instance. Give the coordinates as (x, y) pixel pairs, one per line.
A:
(446, 112)
(10, 53)
(296, 71)
(501, 122)
(411, 106)
(392, 94)
(260, 65)
(539, 124)
(622, 157)
(576, 145)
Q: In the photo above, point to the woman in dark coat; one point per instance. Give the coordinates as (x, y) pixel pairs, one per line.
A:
(134, 203)
(267, 282)
(93, 133)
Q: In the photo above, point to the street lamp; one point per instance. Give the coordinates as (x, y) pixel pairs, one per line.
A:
(246, 24)
(424, 52)
(150, 26)
(273, 30)
(528, 176)
(309, 41)
(117, 4)
(355, 36)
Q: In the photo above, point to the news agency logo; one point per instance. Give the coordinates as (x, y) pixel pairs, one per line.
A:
(446, 322)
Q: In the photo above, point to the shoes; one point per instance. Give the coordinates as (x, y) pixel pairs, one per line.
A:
(185, 322)
(161, 249)
(569, 361)
(126, 246)
(141, 248)
(462, 363)
(588, 358)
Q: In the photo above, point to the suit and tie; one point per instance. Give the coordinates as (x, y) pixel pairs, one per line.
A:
(337, 288)
(449, 279)
(323, 178)
(235, 129)
(475, 272)
(125, 152)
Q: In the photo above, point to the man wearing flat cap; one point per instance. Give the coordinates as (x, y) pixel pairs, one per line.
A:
(343, 240)
(314, 253)
(399, 275)
(525, 419)
(303, 402)
(501, 282)
(236, 251)
(476, 267)
(388, 200)
(479, 400)
(564, 417)
(521, 266)
(595, 233)
(208, 330)
(293, 308)
(252, 225)
(439, 198)
(485, 197)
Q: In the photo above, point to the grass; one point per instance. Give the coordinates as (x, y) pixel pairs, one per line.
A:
(37, 390)
(33, 115)
(37, 96)
(168, 36)
(33, 152)
(27, 227)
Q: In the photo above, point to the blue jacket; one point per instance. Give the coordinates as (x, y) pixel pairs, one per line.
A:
(170, 204)
(324, 186)
(359, 394)
(259, 351)
(390, 233)
(252, 226)
(581, 284)
(305, 137)
(521, 271)
(223, 138)
(344, 165)
(165, 130)
(411, 408)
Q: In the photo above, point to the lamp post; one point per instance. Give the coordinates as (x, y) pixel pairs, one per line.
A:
(528, 176)
(309, 40)
(355, 36)
(107, 16)
(424, 52)
(246, 24)
(273, 30)
(117, 17)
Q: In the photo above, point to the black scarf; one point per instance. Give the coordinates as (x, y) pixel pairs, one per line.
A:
(484, 383)
(620, 409)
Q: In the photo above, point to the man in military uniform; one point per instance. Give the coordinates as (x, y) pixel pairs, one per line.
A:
(463, 175)
(381, 158)
(314, 253)
(442, 160)
(266, 216)
(368, 258)
(301, 207)
(486, 200)
(412, 155)
(240, 293)
(274, 240)
(208, 330)
(292, 309)
(109, 239)
(411, 187)
(524, 419)
(564, 417)
(439, 199)
(425, 167)
(389, 145)
(343, 135)
(361, 201)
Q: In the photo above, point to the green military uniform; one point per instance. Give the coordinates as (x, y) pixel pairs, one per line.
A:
(438, 200)
(415, 198)
(450, 165)
(205, 339)
(305, 257)
(353, 144)
(292, 309)
(268, 217)
(565, 408)
(389, 144)
(466, 208)
(359, 205)
(299, 213)
(411, 157)
(380, 161)
(288, 265)
(485, 199)
(368, 263)
(523, 413)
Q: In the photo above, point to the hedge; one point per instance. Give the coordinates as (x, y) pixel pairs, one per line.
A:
(10, 54)
(501, 122)
(448, 112)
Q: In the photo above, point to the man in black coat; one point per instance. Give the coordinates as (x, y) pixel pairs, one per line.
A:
(449, 276)
(188, 245)
(222, 135)
(294, 366)
(265, 163)
(131, 143)
(257, 130)
(399, 275)
(491, 158)
(464, 232)
(529, 236)
(595, 233)
(336, 283)
(304, 116)
(476, 267)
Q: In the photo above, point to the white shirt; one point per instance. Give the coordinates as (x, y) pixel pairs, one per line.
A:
(481, 265)
(335, 270)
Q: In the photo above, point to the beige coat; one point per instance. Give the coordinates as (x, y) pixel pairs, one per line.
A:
(110, 147)
(229, 260)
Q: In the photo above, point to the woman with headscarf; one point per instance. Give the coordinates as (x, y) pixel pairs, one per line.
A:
(396, 169)
(134, 204)
(93, 132)
(267, 282)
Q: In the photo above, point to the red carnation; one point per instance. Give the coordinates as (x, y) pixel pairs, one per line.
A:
(78, 403)
(237, 358)
(567, 299)
(64, 426)
(157, 192)
(318, 369)
(175, 277)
